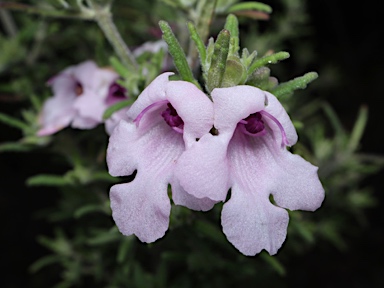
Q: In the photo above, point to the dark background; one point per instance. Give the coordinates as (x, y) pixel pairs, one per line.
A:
(344, 35)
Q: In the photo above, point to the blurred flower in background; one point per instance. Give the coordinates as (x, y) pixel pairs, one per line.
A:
(82, 93)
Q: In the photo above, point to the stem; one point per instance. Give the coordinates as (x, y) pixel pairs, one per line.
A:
(103, 17)
(9, 24)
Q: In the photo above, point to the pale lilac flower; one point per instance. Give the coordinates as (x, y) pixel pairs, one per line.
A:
(164, 121)
(249, 156)
(115, 118)
(81, 95)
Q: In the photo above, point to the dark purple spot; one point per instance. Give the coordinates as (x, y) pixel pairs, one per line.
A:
(78, 89)
(116, 93)
(254, 124)
(172, 118)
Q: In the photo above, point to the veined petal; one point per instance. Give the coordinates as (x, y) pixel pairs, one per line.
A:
(234, 104)
(154, 92)
(277, 110)
(84, 73)
(297, 185)
(181, 197)
(203, 169)
(57, 113)
(259, 168)
(292, 181)
(141, 207)
(156, 150)
(80, 122)
(252, 223)
(193, 106)
(89, 106)
(114, 120)
(63, 84)
(102, 80)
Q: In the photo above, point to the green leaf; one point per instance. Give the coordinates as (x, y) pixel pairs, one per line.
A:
(14, 122)
(48, 180)
(122, 70)
(177, 53)
(116, 107)
(235, 72)
(287, 88)
(204, 13)
(358, 129)
(219, 60)
(270, 59)
(14, 147)
(105, 237)
(279, 268)
(125, 246)
(42, 262)
(334, 119)
(91, 208)
(250, 6)
(232, 25)
(199, 45)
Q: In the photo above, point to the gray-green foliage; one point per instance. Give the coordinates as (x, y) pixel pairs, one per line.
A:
(86, 246)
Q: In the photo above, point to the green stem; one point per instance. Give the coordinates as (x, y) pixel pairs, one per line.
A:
(103, 17)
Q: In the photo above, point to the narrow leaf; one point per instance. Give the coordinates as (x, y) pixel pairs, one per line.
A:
(44, 261)
(14, 122)
(84, 210)
(219, 60)
(250, 6)
(334, 119)
(177, 53)
(115, 107)
(232, 25)
(205, 11)
(199, 45)
(14, 147)
(47, 180)
(119, 68)
(274, 263)
(294, 84)
(270, 59)
(358, 129)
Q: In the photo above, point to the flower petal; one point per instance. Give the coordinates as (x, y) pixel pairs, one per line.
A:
(297, 185)
(275, 108)
(57, 113)
(84, 73)
(234, 104)
(141, 207)
(203, 169)
(181, 197)
(130, 149)
(252, 223)
(193, 106)
(89, 106)
(260, 167)
(154, 92)
(114, 120)
(63, 84)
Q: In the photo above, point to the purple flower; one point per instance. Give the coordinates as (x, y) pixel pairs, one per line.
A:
(164, 121)
(114, 120)
(249, 156)
(81, 95)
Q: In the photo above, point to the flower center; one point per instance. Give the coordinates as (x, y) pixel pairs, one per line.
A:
(169, 114)
(254, 125)
(116, 93)
(173, 119)
(78, 89)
